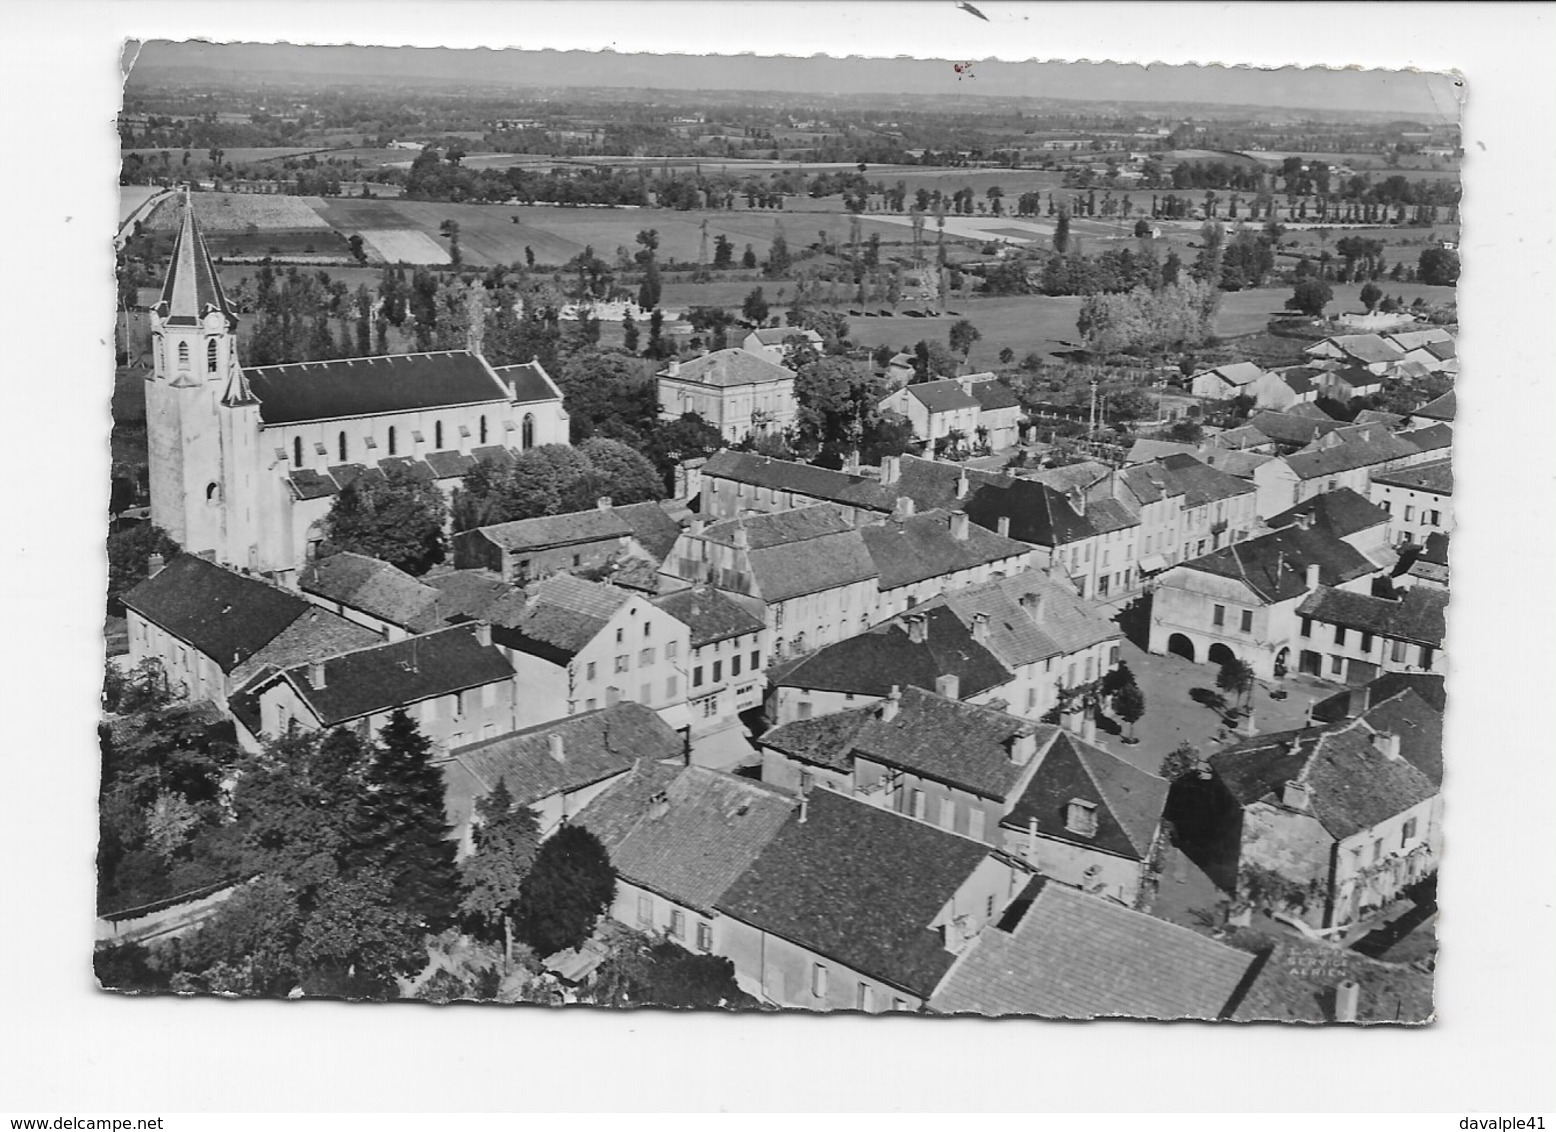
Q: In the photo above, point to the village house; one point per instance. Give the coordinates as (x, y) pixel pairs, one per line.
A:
(918, 557)
(525, 550)
(1438, 411)
(1068, 955)
(1428, 566)
(372, 593)
(809, 567)
(1372, 352)
(211, 628)
(578, 645)
(1347, 383)
(1356, 636)
(678, 838)
(1298, 980)
(1329, 824)
(740, 483)
(1282, 389)
(244, 463)
(942, 413)
(999, 410)
(1418, 499)
(1095, 542)
(452, 682)
(1223, 383)
(1348, 517)
(1241, 601)
(1067, 808)
(1185, 507)
(555, 768)
(727, 637)
(1343, 457)
(770, 342)
(1290, 431)
(851, 907)
(737, 392)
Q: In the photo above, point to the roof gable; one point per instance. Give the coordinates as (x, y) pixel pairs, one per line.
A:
(1128, 801)
(223, 614)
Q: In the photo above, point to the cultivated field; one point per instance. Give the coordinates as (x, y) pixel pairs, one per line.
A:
(405, 245)
(238, 212)
(237, 155)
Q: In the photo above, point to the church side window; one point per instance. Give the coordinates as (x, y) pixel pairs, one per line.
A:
(527, 433)
(297, 451)
(342, 447)
(394, 446)
(437, 436)
(483, 428)
(183, 353)
(210, 356)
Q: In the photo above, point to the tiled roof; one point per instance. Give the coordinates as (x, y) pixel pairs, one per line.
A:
(1351, 784)
(315, 634)
(942, 396)
(652, 526)
(1274, 566)
(960, 744)
(1128, 801)
(709, 614)
(527, 382)
(192, 287)
(824, 740)
(1414, 339)
(1294, 981)
(1289, 428)
(1443, 351)
(1065, 624)
(1233, 462)
(780, 528)
(1435, 550)
(686, 833)
(1344, 449)
(562, 614)
(806, 479)
(1434, 475)
(360, 387)
(725, 368)
(872, 662)
(1236, 373)
(1078, 956)
(1038, 514)
(448, 465)
(476, 596)
(223, 614)
(1342, 512)
(596, 745)
(308, 483)
(1239, 438)
(1429, 438)
(1341, 706)
(1418, 615)
(860, 886)
(777, 335)
(1303, 379)
(1419, 725)
(919, 547)
(1365, 348)
(374, 587)
(1070, 477)
(992, 395)
(799, 551)
(1184, 475)
(1378, 416)
(521, 535)
(933, 484)
(388, 676)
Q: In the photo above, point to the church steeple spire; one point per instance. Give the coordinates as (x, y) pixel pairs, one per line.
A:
(192, 289)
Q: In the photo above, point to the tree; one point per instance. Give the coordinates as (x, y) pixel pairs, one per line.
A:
(778, 255)
(932, 360)
(1179, 762)
(616, 470)
(1007, 356)
(1062, 231)
(507, 838)
(1371, 293)
(836, 403)
(748, 257)
(398, 519)
(568, 889)
(755, 309)
(1129, 705)
(358, 940)
(1143, 229)
(639, 971)
(723, 252)
(648, 290)
(1310, 297)
(629, 334)
(129, 558)
(401, 828)
(963, 336)
(1117, 678)
(1438, 267)
(1236, 678)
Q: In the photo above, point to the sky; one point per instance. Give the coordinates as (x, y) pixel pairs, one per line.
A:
(1421, 96)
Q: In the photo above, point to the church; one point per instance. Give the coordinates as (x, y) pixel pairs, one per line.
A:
(245, 462)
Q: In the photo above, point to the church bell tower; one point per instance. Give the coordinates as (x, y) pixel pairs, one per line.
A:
(202, 421)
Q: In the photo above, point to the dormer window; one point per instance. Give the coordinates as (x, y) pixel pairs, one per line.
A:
(1080, 817)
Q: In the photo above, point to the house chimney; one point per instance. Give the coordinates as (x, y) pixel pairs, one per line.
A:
(696, 527)
(674, 369)
(1023, 745)
(903, 507)
(483, 634)
(1033, 604)
(891, 469)
(1088, 728)
(918, 628)
(1304, 520)
(1312, 576)
(851, 463)
(555, 747)
(1294, 796)
(742, 538)
(804, 809)
(980, 628)
(154, 565)
(1356, 702)
(1388, 743)
(948, 685)
(316, 674)
(959, 525)
(1347, 1001)
(892, 704)
(1003, 526)
(963, 484)
(603, 503)
(659, 806)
